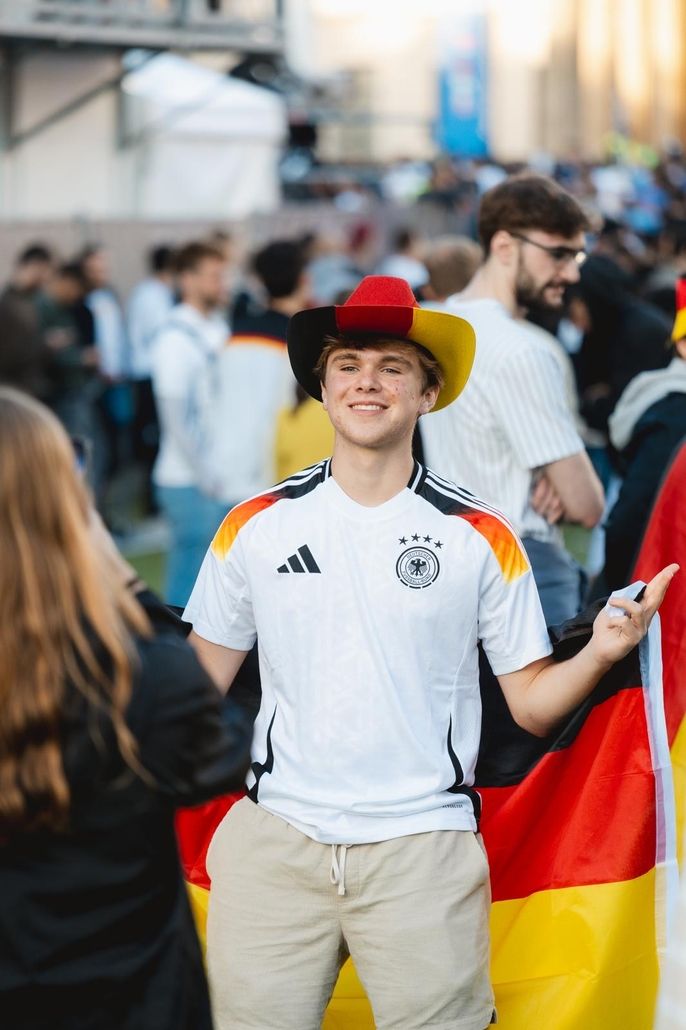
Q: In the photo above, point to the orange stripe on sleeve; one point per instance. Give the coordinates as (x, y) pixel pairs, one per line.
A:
(237, 517)
(257, 340)
(502, 541)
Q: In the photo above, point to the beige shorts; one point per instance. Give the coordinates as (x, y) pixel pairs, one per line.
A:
(412, 912)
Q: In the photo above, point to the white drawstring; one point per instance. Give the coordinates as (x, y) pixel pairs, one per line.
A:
(337, 874)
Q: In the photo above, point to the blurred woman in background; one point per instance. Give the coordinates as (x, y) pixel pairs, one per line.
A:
(106, 726)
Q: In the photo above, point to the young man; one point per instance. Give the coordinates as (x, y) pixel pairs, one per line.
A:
(369, 582)
(512, 438)
(184, 370)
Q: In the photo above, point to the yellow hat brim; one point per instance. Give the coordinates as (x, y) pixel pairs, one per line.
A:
(679, 330)
(452, 341)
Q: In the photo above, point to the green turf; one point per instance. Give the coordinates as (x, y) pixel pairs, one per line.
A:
(150, 567)
(576, 541)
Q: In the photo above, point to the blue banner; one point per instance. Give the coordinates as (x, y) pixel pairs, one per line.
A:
(462, 127)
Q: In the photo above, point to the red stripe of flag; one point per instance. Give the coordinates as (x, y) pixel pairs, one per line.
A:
(571, 812)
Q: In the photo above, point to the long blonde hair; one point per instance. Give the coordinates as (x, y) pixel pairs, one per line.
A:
(61, 601)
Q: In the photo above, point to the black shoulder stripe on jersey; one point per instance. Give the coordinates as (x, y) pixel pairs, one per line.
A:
(460, 494)
(448, 484)
(298, 477)
(447, 504)
(471, 503)
(303, 474)
(416, 478)
(289, 489)
(453, 488)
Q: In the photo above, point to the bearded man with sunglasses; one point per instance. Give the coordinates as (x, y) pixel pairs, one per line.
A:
(512, 438)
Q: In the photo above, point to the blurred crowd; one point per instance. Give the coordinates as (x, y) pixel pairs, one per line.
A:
(638, 190)
(186, 380)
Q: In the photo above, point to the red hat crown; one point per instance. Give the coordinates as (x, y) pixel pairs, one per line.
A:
(382, 290)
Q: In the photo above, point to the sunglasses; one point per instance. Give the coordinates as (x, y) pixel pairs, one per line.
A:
(560, 255)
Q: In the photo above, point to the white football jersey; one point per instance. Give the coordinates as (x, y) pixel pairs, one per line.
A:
(368, 621)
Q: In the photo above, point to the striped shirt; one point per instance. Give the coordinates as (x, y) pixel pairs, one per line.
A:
(511, 419)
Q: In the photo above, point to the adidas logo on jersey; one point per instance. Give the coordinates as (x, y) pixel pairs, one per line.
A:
(304, 563)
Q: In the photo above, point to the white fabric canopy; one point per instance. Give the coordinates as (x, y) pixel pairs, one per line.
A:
(210, 144)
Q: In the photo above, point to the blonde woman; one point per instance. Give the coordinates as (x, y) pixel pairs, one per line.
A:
(106, 726)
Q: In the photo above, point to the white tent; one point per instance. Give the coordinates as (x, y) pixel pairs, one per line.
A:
(208, 145)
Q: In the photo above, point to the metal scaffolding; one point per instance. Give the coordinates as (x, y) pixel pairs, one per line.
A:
(244, 25)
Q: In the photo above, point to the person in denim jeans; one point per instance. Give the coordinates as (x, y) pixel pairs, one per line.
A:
(184, 375)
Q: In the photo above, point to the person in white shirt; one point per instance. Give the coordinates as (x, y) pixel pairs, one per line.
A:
(512, 438)
(149, 305)
(184, 379)
(254, 377)
(369, 582)
(148, 308)
(110, 329)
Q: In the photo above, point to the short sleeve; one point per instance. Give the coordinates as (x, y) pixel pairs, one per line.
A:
(220, 606)
(511, 626)
(529, 399)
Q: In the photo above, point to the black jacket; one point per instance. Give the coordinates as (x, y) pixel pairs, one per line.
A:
(628, 336)
(23, 355)
(645, 459)
(95, 925)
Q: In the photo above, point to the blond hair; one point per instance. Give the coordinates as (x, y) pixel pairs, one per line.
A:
(66, 617)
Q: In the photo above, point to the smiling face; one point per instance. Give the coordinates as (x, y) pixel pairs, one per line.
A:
(547, 264)
(375, 394)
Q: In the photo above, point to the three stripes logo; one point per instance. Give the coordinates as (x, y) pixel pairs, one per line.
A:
(302, 561)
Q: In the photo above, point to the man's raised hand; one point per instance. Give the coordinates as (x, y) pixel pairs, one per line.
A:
(615, 635)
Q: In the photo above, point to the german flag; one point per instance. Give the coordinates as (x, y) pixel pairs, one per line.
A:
(664, 536)
(579, 829)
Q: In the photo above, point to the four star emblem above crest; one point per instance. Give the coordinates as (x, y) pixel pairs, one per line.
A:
(417, 537)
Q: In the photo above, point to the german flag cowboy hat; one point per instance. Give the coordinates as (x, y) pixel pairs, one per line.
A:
(383, 305)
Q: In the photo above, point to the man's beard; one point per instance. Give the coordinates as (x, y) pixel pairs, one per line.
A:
(529, 295)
